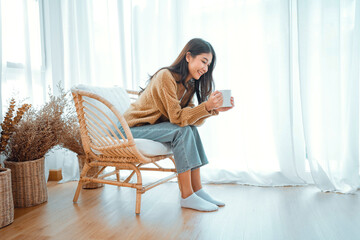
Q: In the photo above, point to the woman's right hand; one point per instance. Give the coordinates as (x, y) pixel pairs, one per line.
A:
(215, 101)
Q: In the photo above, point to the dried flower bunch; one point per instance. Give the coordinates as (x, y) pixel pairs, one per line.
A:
(9, 123)
(38, 131)
(70, 137)
(32, 133)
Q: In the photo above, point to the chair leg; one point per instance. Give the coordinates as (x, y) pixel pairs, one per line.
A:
(138, 201)
(77, 193)
(78, 189)
(139, 191)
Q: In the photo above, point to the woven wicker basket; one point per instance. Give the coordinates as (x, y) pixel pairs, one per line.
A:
(6, 198)
(28, 182)
(92, 171)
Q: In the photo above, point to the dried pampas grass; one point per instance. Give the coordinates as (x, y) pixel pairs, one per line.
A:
(38, 131)
(70, 137)
(34, 132)
(9, 123)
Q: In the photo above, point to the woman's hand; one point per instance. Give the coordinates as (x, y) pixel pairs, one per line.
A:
(215, 101)
(224, 109)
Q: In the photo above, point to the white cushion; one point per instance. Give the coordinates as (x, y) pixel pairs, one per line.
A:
(152, 148)
(146, 146)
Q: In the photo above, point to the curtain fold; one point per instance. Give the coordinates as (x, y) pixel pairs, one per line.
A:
(21, 55)
(329, 64)
(21, 51)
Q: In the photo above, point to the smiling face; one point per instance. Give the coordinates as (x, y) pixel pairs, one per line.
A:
(198, 65)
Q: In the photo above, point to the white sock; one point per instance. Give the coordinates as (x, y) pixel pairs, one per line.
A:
(197, 203)
(201, 193)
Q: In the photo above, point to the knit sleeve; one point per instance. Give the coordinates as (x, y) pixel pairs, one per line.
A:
(201, 121)
(165, 98)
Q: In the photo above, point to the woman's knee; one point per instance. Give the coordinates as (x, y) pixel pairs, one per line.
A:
(184, 132)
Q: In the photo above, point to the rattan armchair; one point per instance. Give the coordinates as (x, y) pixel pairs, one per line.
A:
(106, 145)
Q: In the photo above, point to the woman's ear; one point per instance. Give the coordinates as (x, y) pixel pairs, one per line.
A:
(188, 56)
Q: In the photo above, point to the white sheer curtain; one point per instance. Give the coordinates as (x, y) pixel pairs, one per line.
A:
(21, 55)
(254, 143)
(262, 141)
(329, 46)
(22, 68)
(293, 68)
(253, 42)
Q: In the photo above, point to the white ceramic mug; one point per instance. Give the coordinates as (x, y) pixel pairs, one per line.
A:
(226, 98)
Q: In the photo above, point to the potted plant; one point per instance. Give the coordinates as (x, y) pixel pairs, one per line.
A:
(6, 196)
(34, 135)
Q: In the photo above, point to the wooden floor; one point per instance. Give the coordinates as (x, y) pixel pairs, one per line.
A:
(251, 213)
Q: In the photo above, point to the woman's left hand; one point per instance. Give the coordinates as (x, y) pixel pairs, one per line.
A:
(224, 109)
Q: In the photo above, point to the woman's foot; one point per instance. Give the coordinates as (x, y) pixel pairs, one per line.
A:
(202, 194)
(197, 203)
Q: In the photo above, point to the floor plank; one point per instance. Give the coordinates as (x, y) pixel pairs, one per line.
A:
(250, 213)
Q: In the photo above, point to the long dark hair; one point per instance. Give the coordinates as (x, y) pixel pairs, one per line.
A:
(204, 86)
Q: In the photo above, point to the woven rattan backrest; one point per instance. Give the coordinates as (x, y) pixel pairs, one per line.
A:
(99, 131)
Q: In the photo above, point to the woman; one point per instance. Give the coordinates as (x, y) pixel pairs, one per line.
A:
(165, 112)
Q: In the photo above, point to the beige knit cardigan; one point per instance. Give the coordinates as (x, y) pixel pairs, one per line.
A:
(160, 102)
